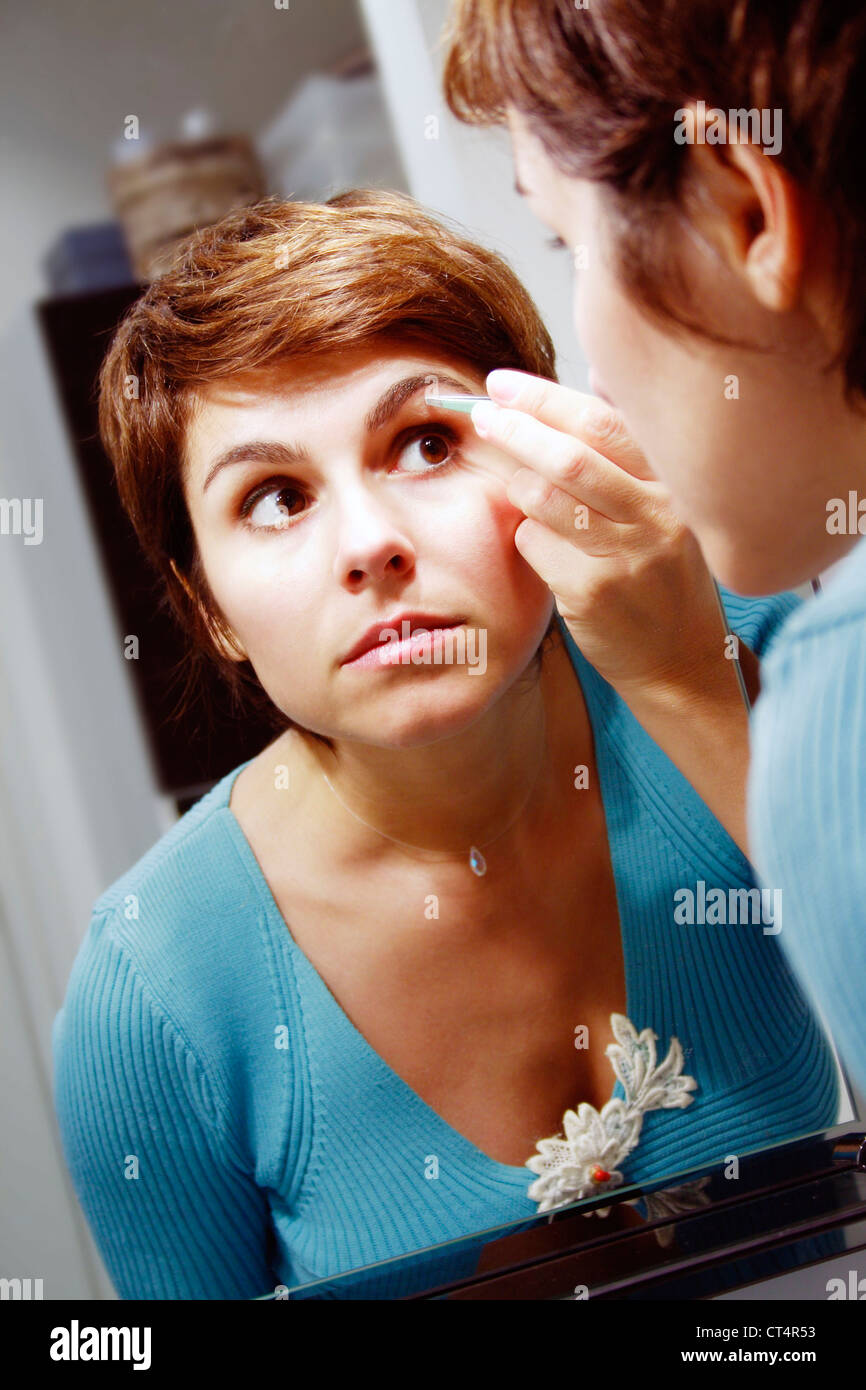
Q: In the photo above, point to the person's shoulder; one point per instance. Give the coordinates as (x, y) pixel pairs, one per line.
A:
(838, 611)
(175, 942)
(807, 772)
(195, 838)
(805, 727)
(192, 875)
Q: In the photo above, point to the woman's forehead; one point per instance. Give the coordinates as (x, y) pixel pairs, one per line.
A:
(352, 372)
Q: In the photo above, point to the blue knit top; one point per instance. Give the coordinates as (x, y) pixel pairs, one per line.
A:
(807, 799)
(228, 1129)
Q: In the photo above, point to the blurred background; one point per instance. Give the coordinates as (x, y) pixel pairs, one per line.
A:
(121, 129)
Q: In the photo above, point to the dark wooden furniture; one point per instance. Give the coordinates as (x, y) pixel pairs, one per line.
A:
(189, 753)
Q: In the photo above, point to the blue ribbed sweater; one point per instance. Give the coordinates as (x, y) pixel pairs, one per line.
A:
(213, 1162)
(807, 799)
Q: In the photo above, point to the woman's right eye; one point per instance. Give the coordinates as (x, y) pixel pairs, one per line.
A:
(266, 508)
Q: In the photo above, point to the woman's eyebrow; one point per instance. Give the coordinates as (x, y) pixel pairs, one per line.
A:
(276, 455)
(267, 451)
(397, 395)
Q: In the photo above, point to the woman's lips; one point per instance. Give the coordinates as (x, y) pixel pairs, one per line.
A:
(400, 653)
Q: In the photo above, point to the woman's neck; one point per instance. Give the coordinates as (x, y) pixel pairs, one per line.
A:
(495, 777)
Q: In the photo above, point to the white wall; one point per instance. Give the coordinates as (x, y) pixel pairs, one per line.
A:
(77, 804)
(466, 173)
(71, 70)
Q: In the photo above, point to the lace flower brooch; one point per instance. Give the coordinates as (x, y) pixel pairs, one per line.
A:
(585, 1162)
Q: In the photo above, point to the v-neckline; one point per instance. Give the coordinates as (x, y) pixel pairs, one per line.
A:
(516, 1175)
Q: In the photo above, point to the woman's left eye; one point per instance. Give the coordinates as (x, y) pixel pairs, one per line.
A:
(429, 450)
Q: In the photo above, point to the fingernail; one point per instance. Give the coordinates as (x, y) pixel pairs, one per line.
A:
(503, 384)
(483, 416)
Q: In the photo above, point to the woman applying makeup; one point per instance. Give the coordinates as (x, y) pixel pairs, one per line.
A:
(709, 163)
(330, 1017)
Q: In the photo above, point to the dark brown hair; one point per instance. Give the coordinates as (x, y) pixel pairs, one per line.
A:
(275, 282)
(599, 87)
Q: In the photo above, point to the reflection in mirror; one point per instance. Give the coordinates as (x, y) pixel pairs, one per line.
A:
(441, 920)
(494, 953)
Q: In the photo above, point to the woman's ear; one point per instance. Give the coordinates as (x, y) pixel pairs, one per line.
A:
(221, 634)
(750, 207)
(775, 254)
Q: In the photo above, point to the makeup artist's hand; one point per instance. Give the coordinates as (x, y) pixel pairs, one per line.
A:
(628, 577)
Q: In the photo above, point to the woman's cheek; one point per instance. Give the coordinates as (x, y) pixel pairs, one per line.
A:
(261, 599)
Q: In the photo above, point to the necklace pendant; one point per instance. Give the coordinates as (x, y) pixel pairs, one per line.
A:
(477, 862)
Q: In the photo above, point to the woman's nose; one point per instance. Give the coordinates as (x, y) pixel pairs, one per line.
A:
(370, 539)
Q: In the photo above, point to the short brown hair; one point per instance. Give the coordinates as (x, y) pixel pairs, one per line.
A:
(274, 282)
(599, 87)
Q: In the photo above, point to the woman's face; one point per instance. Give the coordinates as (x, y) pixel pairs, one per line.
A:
(344, 500)
(733, 433)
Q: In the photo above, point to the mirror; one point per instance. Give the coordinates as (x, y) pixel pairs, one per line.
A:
(357, 1034)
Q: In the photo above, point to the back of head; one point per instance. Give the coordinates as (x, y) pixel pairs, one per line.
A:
(601, 84)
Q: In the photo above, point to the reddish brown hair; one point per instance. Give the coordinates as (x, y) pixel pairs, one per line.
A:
(599, 86)
(276, 282)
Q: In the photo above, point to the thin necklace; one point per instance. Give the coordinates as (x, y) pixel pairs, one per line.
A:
(477, 862)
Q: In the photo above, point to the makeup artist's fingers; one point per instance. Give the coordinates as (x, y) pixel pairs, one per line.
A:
(600, 425)
(486, 459)
(560, 513)
(566, 571)
(565, 461)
